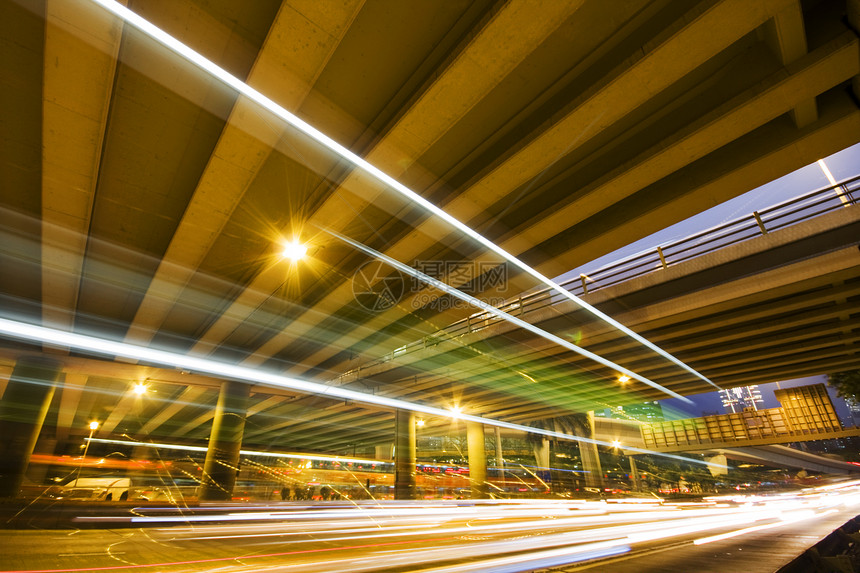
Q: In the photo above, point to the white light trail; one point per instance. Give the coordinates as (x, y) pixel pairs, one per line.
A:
(165, 446)
(803, 516)
(216, 71)
(478, 303)
(148, 444)
(431, 536)
(91, 344)
(826, 171)
(737, 532)
(832, 181)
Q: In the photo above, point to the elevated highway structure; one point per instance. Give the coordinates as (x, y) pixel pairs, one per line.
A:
(806, 413)
(778, 305)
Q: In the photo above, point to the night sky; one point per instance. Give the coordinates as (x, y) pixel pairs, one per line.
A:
(674, 409)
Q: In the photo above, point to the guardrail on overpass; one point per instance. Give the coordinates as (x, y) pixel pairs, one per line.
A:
(779, 216)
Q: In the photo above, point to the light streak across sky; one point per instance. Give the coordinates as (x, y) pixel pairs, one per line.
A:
(292, 456)
(33, 333)
(241, 87)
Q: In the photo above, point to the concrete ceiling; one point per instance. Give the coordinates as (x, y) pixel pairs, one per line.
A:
(142, 200)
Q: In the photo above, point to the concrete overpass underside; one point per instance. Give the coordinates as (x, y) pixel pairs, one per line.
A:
(785, 457)
(780, 306)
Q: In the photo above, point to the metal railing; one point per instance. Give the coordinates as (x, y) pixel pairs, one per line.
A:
(758, 223)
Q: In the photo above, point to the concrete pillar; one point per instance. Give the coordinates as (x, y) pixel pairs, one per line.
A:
(225, 441)
(634, 474)
(140, 464)
(46, 446)
(404, 455)
(477, 459)
(500, 459)
(590, 458)
(717, 465)
(23, 408)
(541, 451)
(383, 452)
(141, 454)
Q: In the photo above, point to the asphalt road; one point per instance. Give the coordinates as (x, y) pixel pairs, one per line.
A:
(639, 535)
(756, 552)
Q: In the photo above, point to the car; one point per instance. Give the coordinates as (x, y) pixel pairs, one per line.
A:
(94, 488)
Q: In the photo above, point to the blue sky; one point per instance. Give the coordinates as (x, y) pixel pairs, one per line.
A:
(710, 401)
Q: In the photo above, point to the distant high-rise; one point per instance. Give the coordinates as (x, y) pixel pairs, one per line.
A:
(854, 410)
(736, 399)
(645, 412)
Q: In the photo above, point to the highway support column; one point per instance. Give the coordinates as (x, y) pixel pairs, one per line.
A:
(477, 459)
(23, 409)
(634, 474)
(404, 455)
(542, 461)
(590, 458)
(225, 440)
(500, 460)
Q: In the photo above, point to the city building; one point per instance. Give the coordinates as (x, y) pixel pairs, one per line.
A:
(644, 412)
(737, 399)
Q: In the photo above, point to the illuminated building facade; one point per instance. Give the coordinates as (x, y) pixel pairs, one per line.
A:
(737, 399)
(644, 412)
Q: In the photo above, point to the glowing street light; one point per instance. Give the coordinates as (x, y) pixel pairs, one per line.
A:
(294, 251)
(420, 422)
(140, 388)
(93, 427)
(624, 378)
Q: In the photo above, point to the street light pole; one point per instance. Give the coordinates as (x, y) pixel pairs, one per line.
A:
(93, 427)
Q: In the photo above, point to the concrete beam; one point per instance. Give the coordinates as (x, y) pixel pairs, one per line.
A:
(766, 154)
(81, 45)
(299, 44)
(189, 397)
(786, 37)
(487, 60)
(825, 68)
(616, 95)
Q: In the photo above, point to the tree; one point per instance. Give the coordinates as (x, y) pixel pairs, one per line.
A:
(847, 384)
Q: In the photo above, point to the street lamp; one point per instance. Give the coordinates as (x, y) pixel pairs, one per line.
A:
(294, 251)
(93, 427)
